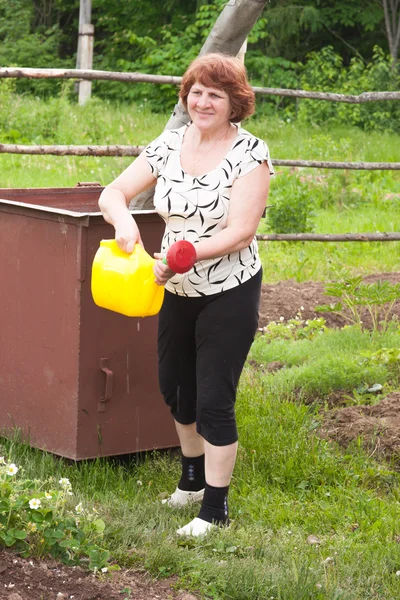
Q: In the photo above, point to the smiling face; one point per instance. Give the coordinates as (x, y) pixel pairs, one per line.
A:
(209, 108)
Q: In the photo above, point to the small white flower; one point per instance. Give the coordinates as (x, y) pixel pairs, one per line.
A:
(2, 460)
(397, 573)
(281, 318)
(70, 493)
(104, 570)
(65, 482)
(79, 508)
(12, 469)
(139, 482)
(301, 307)
(48, 496)
(34, 503)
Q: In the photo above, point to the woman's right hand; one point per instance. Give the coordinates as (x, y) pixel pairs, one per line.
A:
(127, 234)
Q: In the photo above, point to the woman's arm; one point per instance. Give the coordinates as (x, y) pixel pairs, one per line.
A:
(115, 198)
(247, 203)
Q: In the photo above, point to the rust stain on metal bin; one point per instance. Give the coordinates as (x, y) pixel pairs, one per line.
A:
(77, 380)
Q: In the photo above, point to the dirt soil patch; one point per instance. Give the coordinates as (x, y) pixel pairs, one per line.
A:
(285, 298)
(26, 579)
(378, 426)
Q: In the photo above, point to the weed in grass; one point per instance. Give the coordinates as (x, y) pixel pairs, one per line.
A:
(378, 298)
(36, 519)
(294, 329)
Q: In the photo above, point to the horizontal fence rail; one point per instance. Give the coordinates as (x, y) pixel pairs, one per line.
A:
(118, 150)
(28, 73)
(329, 237)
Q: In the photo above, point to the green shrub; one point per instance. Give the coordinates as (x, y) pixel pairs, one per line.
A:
(324, 71)
(292, 211)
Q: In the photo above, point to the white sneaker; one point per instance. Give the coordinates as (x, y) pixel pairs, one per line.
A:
(181, 498)
(196, 528)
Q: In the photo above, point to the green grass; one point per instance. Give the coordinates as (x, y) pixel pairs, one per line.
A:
(288, 483)
(334, 361)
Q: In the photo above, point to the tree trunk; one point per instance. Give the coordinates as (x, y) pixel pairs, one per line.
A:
(391, 9)
(227, 36)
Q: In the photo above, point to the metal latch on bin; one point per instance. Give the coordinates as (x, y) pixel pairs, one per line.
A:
(108, 388)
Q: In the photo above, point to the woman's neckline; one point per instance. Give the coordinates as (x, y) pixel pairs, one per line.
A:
(184, 130)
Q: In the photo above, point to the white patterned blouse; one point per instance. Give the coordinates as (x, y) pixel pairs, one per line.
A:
(195, 208)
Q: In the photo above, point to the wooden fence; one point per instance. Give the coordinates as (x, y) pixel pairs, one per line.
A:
(119, 150)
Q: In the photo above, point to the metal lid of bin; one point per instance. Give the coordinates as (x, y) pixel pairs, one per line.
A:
(78, 202)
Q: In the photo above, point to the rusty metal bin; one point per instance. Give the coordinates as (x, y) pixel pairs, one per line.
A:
(75, 379)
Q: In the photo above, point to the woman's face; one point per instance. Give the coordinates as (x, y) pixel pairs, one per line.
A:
(209, 108)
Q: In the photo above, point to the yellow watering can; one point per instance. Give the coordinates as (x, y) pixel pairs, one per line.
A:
(125, 283)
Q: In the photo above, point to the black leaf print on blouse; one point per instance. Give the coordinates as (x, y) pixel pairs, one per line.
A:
(238, 143)
(195, 284)
(192, 213)
(255, 144)
(201, 217)
(176, 216)
(169, 204)
(167, 193)
(210, 228)
(213, 267)
(219, 281)
(226, 173)
(199, 182)
(213, 203)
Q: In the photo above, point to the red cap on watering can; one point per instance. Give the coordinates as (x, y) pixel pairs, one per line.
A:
(181, 256)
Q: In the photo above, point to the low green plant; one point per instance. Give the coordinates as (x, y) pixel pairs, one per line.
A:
(384, 356)
(36, 520)
(378, 298)
(294, 329)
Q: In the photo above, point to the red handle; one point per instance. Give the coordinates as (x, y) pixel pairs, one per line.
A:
(181, 256)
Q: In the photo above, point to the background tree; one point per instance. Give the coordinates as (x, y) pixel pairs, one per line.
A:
(391, 9)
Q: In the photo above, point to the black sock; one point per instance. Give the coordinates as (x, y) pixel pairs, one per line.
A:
(193, 477)
(214, 508)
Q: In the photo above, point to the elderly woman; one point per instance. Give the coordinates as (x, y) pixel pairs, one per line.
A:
(212, 182)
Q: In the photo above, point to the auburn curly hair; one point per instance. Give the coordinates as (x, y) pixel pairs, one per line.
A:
(222, 72)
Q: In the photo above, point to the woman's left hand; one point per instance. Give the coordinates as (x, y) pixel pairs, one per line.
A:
(162, 272)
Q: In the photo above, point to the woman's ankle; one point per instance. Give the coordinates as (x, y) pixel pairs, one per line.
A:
(193, 475)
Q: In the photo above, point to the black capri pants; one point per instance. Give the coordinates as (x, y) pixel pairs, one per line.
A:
(203, 344)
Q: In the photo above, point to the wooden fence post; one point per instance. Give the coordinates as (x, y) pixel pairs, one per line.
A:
(84, 58)
(86, 35)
